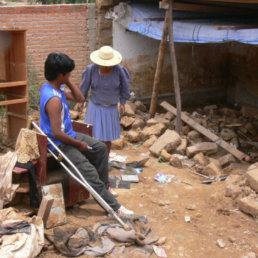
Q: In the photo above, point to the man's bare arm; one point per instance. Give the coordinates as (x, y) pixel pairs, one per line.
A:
(73, 93)
(53, 109)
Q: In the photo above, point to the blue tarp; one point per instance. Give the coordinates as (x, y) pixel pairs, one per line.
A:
(198, 31)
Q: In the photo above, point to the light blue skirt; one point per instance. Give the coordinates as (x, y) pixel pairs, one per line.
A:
(105, 121)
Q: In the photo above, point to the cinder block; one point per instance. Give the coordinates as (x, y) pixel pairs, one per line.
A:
(249, 205)
(205, 147)
(252, 177)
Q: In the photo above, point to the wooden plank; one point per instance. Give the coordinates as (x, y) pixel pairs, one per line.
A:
(12, 84)
(82, 127)
(235, 152)
(17, 115)
(13, 101)
(240, 4)
(210, 8)
(236, 1)
(45, 208)
(235, 27)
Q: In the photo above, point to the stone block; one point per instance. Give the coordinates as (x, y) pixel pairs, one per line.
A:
(140, 106)
(204, 147)
(253, 166)
(227, 134)
(185, 129)
(150, 141)
(132, 136)
(212, 169)
(138, 123)
(169, 116)
(168, 141)
(152, 122)
(181, 147)
(57, 215)
(118, 144)
(157, 130)
(193, 135)
(232, 191)
(201, 159)
(249, 205)
(163, 120)
(252, 178)
(126, 121)
(226, 160)
(129, 109)
(175, 162)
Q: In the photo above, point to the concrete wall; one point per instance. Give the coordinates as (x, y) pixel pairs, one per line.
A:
(55, 28)
(208, 73)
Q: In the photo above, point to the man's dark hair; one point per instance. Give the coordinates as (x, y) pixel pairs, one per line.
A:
(57, 63)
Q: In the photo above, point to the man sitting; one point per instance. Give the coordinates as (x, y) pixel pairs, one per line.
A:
(56, 123)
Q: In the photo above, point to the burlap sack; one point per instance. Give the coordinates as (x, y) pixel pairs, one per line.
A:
(27, 146)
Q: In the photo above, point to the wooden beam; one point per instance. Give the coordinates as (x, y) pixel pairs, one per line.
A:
(164, 4)
(241, 4)
(13, 101)
(174, 66)
(235, 27)
(236, 1)
(235, 152)
(162, 50)
(210, 8)
(12, 84)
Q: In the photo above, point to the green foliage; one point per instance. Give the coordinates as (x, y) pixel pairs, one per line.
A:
(34, 87)
(2, 120)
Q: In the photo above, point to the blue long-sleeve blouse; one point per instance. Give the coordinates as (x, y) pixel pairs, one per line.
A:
(106, 89)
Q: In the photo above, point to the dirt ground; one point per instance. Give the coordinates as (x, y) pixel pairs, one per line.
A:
(213, 217)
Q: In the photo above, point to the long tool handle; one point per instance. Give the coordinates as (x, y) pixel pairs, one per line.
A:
(82, 181)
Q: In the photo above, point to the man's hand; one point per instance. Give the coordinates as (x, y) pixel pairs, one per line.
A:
(73, 93)
(79, 107)
(122, 109)
(83, 146)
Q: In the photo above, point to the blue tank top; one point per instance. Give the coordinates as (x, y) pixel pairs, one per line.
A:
(47, 92)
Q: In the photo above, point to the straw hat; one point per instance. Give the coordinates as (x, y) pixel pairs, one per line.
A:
(106, 56)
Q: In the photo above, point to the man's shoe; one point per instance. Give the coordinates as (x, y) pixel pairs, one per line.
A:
(123, 211)
(114, 193)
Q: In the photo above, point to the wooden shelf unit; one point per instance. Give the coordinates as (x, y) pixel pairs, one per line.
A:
(13, 79)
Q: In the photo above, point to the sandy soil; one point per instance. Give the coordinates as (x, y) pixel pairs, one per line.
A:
(212, 215)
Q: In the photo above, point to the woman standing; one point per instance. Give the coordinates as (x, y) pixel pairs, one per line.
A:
(109, 83)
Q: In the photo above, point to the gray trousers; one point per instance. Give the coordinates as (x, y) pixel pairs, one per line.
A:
(93, 165)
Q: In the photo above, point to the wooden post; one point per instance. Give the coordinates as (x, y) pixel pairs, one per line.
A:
(174, 67)
(162, 48)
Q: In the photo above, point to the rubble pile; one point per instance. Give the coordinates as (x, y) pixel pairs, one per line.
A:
(191, 149)
(243, 190)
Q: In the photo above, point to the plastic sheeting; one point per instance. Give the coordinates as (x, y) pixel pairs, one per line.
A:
(7, 189)
(21, 245)
(198, 31)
